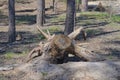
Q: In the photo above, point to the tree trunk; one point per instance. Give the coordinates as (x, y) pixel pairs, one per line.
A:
(70, 17)
(84, 5)
(78, 5)
(41, 13)
(53, 5)
(11, 31)
(55, 2)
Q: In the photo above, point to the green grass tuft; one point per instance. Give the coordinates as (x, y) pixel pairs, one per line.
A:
(11, 55)
(60, 18)
(95, 15)
(53, 29)
(115, 18)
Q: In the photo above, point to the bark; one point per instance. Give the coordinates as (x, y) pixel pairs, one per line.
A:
(55, 2)
(53, 5)
(84, 5)
(70, 17)
(41, 13)
(11, 31)
(78, 5)
(56, 6)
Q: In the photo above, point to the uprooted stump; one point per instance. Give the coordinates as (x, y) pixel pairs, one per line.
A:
(57, 48)
(40, 67)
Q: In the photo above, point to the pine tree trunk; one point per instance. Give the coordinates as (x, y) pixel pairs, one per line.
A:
(53, 5)
(84, 5)
(70, 17)
(41, 13)
(78, 5)
(55, 2)
(11, 31)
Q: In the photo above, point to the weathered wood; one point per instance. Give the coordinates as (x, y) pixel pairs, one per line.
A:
(9, 67)
(75, 33)
(36, 50)
(86, 54)
(43, 33)
(19, 37)
(99, 7)
(6, 68)
(59, 46)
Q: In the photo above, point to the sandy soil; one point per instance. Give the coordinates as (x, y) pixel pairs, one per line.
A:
(104, 41)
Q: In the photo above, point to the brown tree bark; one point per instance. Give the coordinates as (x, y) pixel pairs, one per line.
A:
(53, 5)
(78, 5)
(55, 2)
(11, 31)
(84, 5)
(70, 17)
(41, 13)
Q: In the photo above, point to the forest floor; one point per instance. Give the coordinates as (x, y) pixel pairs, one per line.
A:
(103, 34)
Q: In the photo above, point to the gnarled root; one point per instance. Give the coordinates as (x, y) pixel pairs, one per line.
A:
(86, 54)
(31, 55)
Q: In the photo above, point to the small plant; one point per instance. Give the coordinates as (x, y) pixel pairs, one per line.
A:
(41, 37)
(10, 55)
(44, 73)
(54, 29)
(115, 18)
(110, 57)
(3, 77)
(95, 15)
(24, 52)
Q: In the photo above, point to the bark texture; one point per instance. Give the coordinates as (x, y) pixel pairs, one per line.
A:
(41, 12)
(70, 17)
(11, 31)
(84, 5)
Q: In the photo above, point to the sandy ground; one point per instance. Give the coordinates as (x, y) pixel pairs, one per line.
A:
(104, 41)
